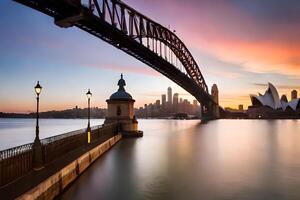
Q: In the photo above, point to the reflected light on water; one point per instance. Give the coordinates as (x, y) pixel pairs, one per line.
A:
(224, 159)
(221, 159)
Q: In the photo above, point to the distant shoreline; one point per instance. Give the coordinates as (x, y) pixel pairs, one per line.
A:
(75, 113)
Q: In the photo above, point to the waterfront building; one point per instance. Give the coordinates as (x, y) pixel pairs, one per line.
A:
(175, 99)
(284, 98)
(120, 110)
(157, 104)
(185, 106)
(170, 95)
(175, 102)
(270, 106)
(145, 113)
(150, 109)
(294, 94)
(163, 101)
(164, 109)
(241, 107)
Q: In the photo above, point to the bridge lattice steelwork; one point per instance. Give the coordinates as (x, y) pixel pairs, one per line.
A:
(125, 28)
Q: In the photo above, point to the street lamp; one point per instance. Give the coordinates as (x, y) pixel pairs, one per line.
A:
(89, 95)
(37, 146)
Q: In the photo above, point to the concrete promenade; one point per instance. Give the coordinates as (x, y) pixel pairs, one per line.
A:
(53, 178)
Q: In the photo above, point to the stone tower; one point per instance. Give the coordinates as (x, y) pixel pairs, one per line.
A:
(215, 93)
(215, 97)
(121, 110)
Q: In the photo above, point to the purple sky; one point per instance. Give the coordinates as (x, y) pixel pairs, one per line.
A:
(236, 43)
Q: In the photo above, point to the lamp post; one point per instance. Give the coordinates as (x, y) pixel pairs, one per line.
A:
(37, 146)
(89, 95)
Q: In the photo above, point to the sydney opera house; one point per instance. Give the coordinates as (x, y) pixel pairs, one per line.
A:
(270, 106)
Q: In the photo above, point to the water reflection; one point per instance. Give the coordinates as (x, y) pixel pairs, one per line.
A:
(15, 132)
(224, 159)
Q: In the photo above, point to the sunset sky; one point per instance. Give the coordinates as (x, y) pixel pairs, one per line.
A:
(239, 44)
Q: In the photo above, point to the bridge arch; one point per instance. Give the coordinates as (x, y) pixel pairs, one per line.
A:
(142, 29)
(132, 32)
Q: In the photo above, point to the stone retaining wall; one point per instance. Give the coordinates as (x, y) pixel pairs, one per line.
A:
(56, 183)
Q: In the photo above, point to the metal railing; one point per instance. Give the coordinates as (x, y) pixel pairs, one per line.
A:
(17, 161)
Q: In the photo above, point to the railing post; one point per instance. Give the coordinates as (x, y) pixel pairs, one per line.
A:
(37, 158)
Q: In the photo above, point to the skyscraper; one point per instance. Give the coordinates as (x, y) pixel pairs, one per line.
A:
(294, 94)
(157, 104)
(163, 101)
(180, 100)
(170, 95)
(175, 102)
(175, 99)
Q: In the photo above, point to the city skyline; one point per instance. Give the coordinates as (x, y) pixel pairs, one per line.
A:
(164, 107)
(68, 61)
(139, 99)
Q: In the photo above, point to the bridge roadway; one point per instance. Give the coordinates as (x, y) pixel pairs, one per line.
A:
(130, 31)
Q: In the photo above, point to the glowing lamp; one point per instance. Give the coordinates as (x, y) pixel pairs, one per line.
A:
(89, 94)
(38, 88)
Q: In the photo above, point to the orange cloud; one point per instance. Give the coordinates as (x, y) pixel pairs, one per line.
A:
(224, 30)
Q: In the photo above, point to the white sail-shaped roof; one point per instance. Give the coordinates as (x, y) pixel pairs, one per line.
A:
(271, 99)
(275, 96)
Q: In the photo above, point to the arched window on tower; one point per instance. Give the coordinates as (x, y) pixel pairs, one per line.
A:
(118, 111)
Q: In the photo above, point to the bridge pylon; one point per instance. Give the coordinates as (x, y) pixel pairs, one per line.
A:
(210, 110)
(215, 104)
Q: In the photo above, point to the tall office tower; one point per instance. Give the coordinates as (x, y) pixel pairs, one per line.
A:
(175, 102)
(157, 104)
(294, 94)
(146, 111)
(185, 106)
(163, 101)
(150, 109)
(170, 95)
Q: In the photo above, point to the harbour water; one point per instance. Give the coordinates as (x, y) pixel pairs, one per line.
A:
(15, 132)
(180, 159)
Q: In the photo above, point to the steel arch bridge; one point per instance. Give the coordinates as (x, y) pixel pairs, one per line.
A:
(132, 32)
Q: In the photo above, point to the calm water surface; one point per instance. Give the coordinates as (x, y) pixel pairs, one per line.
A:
(15, 132)
(223, 159)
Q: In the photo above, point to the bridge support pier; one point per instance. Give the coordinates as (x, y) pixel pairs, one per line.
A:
(205, 112)
(210, 111)
(216, 111)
